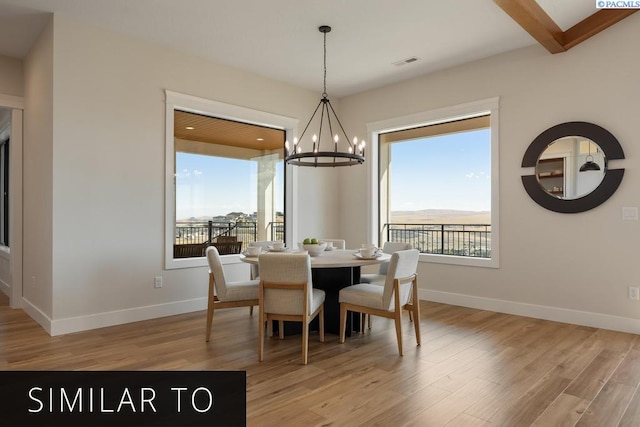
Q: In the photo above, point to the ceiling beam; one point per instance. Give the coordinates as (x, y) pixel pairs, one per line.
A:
(592, 25)
(530, 16)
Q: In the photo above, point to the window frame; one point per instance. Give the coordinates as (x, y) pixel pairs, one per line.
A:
(488, 106)
(5, 176)
(193, 104)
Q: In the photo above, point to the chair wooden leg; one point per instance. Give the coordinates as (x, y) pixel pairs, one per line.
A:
(305, 341)
(343, 321)
(262, 317)
(412, 298)
(416, 309)
(365, 318)
(260, 335)
(269, 328)
(209, 320)
(251, 311)
(210, 308)
(416, 323)
(398, 319)
(321, 320)
(281, 329)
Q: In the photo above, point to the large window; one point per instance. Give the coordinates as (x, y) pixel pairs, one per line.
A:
(437, 185)
(229, 184)
(227, 181)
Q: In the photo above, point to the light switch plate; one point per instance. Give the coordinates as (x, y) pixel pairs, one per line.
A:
(630, 214)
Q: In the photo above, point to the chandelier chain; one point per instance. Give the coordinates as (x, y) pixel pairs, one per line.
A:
(324, 92)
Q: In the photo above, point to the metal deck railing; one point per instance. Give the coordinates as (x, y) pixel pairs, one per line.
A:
(471, 240)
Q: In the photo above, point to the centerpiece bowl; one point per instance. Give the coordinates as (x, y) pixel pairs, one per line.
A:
(314, 249)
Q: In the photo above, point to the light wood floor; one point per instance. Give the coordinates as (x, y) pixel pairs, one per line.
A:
(474, 368)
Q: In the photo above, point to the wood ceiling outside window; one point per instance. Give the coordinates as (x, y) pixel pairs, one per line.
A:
(463, 125)
(226, 132)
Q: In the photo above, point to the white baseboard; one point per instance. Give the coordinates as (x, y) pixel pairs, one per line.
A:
(564, 315)
(36, 314)
(118, 317)
(5, 288)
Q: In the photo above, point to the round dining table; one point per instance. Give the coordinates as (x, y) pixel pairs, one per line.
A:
(331, 271)
(337, 258)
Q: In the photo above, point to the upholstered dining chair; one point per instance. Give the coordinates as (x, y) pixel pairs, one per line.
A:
(286, 293)
(400, 288)
(264, 244)
(254, 271)
(337, 243)
(223, 294)
(380, 277)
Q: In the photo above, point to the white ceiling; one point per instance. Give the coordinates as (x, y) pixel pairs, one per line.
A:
(279, 38)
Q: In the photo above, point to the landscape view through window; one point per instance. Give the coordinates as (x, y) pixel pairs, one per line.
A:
(446, 177)
(439, 193)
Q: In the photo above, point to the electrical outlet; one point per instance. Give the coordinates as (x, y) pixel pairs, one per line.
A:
(630, 213)
(157, 282)
(634, 293)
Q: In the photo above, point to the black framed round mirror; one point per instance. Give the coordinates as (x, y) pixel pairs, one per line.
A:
(571, 167)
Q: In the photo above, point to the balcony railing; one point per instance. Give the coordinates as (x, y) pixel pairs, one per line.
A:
(245, 232)
(275, 231)
(470, 240)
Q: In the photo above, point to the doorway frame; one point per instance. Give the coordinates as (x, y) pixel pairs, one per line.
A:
(14, 252)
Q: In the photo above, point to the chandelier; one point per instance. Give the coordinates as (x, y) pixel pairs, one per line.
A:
(325, 148)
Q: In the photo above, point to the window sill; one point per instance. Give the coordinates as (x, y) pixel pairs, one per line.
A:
(178, 263)
(459, 260)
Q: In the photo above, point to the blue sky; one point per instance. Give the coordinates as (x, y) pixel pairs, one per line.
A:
(444, 172)
(210, 186)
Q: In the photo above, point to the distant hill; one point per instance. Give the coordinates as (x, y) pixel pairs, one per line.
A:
(441, 216)
(425, 216)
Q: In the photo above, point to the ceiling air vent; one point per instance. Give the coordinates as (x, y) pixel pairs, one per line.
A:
(406, 61)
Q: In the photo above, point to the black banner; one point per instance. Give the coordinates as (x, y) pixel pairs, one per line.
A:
(122, 398)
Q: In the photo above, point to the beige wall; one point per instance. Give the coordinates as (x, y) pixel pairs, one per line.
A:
(108, 168)
(582, 262)
(11, 76)
(38, 175)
